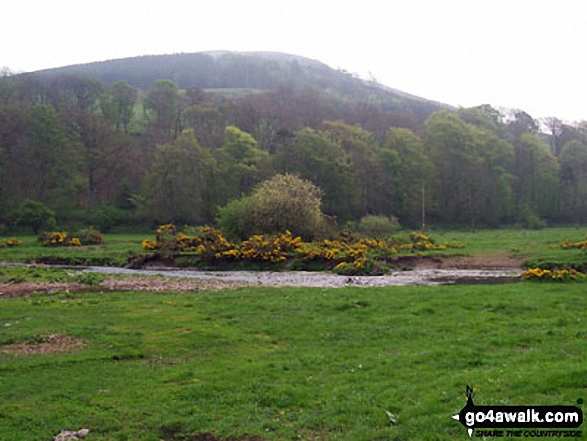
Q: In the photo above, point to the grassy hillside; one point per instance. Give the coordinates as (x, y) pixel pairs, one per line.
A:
(254, 70)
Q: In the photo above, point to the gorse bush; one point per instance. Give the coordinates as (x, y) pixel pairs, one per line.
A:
(59, 239)
(569, 244)
(346, 254)
(554, 275)
(12, 242)
(274, 248)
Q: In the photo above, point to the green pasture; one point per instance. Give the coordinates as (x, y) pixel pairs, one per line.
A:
(289, 363)
(511, 241)
(114, 252)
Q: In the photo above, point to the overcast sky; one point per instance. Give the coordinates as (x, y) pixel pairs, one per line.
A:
(527, 54)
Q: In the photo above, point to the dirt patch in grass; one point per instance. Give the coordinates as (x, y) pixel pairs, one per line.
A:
(473, 262)
(44, 344)
(152, 284)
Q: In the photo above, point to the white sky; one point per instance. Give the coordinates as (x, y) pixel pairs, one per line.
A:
(527, 54)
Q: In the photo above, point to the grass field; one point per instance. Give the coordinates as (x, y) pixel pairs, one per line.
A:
(114, 252)
(288, 363)
(524, 243)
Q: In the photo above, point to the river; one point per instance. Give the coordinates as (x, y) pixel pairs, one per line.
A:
(323, 279)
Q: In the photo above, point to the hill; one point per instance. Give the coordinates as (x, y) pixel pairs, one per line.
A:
(248, 70)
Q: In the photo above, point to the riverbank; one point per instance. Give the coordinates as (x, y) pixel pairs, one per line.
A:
(96, 279)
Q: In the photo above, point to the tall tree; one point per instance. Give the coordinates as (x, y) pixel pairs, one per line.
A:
(519, 123)
(484, 117)
(94, 136)
(46, 166)
(536, 171)
(451, 147)
(162, 110)
(241, 165)
(555, 129)
(177, 188)
(573, 177)
(313, 156)
(362, 152)
(408, 171)
(118, 104)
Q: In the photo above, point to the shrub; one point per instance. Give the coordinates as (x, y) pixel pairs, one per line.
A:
(12, 242)
(236, 218)
(149, 244)
(347, 254)
(166, 240)
(89, 236)
(284, 202)
(276, 248)
(108, 216)
(53, 238)
(580, 244)
(554, 275)
(58, 238)
(36, 215)
(378, 226)
(287, 202)
(528, 219)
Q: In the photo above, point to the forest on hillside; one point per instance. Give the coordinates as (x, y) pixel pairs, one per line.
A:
(110, 154)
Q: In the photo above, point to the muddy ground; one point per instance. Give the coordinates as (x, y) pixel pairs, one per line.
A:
(134, 283)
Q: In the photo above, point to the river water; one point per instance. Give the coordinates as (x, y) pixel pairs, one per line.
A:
(323, 279)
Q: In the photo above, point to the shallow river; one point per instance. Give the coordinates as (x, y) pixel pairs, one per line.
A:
(321, 279)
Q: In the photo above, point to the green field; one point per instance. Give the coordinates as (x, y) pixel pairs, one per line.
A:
(114, 252)
(289, 363)
(523, 243)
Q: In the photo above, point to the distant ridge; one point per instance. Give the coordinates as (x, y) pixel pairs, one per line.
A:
(248, 70)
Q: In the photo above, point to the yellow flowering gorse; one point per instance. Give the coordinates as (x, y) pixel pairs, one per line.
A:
(346, 254)
(554, 275)
(12, 242)
(59, 238)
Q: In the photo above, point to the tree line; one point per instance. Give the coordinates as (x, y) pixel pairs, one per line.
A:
(108, 154)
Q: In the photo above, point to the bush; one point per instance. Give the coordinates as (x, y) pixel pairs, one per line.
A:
(528, 219)
(36, 215)
(284, 202)
(58, 238)
(554, 275)
(378, 226)
(10, 243)
(235, 219)
(287, 202)
(108, 216)
(89, 236)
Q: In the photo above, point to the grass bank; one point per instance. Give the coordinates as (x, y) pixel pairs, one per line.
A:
(287, 363)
